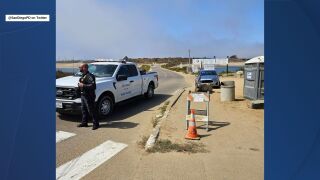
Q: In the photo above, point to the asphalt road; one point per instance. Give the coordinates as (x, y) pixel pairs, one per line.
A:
(169, 81)
(130, 121)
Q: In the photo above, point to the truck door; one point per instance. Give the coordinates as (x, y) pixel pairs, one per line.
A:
(135, 80)
(123, 86)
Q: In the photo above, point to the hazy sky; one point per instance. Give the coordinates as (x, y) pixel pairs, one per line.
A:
(88, 29)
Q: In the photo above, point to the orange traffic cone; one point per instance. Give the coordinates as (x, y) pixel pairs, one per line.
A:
(192, 129)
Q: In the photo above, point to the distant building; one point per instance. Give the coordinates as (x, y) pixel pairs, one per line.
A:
(207, 64)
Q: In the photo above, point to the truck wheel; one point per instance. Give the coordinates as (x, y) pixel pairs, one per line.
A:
(105, 106)
(150, 92)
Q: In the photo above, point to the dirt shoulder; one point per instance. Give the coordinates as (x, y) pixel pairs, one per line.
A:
(235, 141)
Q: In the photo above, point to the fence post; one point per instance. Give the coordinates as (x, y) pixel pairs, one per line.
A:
(227, 70)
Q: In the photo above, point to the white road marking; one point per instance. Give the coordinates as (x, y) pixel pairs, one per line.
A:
(84, 164)
(61, 135)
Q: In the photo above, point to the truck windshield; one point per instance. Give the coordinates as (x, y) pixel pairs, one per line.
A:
(205, 73)
(100, 70)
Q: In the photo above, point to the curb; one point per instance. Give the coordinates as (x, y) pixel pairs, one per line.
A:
(156, 130)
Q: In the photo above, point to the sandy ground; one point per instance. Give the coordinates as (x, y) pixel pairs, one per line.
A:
(235, 142)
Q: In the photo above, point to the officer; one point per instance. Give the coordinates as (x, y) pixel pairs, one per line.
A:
(87, 86)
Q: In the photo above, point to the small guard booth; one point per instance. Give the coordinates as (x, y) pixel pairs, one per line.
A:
(254, 78)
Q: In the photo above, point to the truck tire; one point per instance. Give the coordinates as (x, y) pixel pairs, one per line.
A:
(105, 106)
(150, 92)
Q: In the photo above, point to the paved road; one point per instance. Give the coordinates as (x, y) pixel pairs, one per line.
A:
(111, 152)
(169, 81)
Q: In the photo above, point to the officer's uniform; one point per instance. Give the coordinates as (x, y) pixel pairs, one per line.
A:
(88, 97)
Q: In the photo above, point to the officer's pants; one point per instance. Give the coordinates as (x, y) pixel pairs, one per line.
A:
(88, 108)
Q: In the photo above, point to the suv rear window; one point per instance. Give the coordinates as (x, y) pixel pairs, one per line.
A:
(204, 73)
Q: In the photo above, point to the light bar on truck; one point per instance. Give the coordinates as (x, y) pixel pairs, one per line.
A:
(110, 60)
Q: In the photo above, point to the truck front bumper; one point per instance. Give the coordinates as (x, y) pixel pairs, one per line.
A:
(72, 106)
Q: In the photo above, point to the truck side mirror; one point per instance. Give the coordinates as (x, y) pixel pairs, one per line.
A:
(121, 77)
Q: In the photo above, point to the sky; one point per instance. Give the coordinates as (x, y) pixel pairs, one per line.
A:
(89, 29)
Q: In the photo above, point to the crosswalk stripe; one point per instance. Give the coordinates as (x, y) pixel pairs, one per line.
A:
(62, 135)
(84, 164)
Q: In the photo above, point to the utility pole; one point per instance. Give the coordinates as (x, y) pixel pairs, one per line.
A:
(189, 61)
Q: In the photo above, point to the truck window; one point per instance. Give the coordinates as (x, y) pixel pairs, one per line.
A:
(100, 70)
(132, 70)
(123, 70)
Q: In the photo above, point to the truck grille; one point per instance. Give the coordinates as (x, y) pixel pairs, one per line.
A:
(66, 93)
(206, 81)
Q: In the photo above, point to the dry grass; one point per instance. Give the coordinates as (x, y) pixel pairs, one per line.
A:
(165, 145)
(143, 142)
(155, 121)
(162, 109)
(145, 67)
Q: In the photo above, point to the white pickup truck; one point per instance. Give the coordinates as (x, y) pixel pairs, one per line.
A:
(116, 81)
